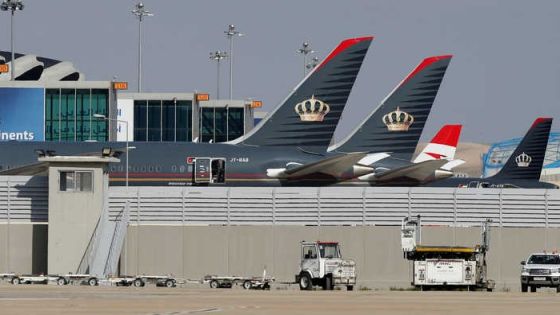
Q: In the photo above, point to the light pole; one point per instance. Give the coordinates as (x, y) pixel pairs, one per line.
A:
(305, 50)
(101, 116)
(140, 13)
(218, 56)
(12, 5)
(314, 62)
(231, 33)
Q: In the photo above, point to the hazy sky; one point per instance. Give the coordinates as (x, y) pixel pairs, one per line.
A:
(505, 70)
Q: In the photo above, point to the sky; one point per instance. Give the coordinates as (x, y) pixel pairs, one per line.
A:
(505, 71)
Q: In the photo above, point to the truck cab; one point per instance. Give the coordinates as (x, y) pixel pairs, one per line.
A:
(322, 264)
(541, 270)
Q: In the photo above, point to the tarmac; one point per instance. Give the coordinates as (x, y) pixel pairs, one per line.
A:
(52, 299)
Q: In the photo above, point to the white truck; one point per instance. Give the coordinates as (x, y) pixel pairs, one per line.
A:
(445, 266)
(322, 265)
(541, 270)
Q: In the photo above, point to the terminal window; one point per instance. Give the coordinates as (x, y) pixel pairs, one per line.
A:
(76, 181)
(69, 114)
(162, 120)
(221, 124)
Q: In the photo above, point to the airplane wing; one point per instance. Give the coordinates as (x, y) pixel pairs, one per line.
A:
(452, 164)
(334, 166)
(417, 171)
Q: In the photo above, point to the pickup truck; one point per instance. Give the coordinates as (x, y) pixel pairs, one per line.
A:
(541, 270)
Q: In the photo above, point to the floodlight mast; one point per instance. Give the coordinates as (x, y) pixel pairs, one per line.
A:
(314, 62)
(231, 33)
(140, 12)
(305, 50)
(218, 56)
(128, 148)
(13, 6)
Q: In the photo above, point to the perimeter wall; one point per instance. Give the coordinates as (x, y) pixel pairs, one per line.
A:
(191, 232)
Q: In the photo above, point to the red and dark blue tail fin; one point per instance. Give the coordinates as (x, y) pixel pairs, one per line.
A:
(396, 125)
(307, 118)
(527, 160)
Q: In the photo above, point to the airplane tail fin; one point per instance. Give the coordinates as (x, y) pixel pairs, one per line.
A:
(527, 159)
(307, 118)
(397, 123)
(442, 146)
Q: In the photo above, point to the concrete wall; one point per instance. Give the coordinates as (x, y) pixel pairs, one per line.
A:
(23, 248)
(194, 251)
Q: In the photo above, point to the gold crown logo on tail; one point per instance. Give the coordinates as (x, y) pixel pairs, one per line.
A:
(523, 160)
(312, 109)
(398, 120)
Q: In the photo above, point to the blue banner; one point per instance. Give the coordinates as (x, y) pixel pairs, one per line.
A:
(22, 116)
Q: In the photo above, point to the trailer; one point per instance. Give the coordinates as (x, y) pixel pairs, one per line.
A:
(24, 279)
(261, 283)
(142, 281)
(76, 279)
(445, 266)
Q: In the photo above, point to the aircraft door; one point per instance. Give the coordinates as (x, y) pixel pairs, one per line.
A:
(202, 170)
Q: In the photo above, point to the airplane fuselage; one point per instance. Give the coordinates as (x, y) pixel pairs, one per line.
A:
(178, 164)
(490, 182)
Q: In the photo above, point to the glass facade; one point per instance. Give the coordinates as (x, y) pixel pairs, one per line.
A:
(69, 114)
(221, 124)
(162, 120)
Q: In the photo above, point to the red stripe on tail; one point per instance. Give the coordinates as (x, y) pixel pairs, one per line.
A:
(342, 47)
(425, 63)
(448, 135)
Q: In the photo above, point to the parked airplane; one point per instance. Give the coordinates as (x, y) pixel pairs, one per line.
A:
(294, 135)
(390, 134)
(436, 161)
(522, 169)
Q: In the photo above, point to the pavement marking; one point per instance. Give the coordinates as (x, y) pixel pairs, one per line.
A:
(34, 299)
(206, 310)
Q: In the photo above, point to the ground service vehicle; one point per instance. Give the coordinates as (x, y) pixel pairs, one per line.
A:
(322, 264)
(541, 270)
(445, 266)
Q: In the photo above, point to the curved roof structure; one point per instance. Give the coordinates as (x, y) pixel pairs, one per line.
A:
(499, 152)
(34, 68)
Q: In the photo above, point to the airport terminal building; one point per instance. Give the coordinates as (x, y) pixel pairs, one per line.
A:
(66, 111)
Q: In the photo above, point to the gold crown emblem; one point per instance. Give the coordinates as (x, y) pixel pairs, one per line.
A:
(312, 109)
(523, 160)
(398, 120)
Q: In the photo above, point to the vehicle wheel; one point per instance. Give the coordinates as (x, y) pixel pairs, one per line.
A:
(533, 288)
(16, 280)
(61, 281)
(328, 283)
(92, 282)
(214, 284)
(349, 288)
(305, 282)
(558, 289)
(266, 286)
(138, 283)
(247, 285)
(169, 283)
(523, 288)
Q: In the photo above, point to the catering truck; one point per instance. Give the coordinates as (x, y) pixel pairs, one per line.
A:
(445, 266)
